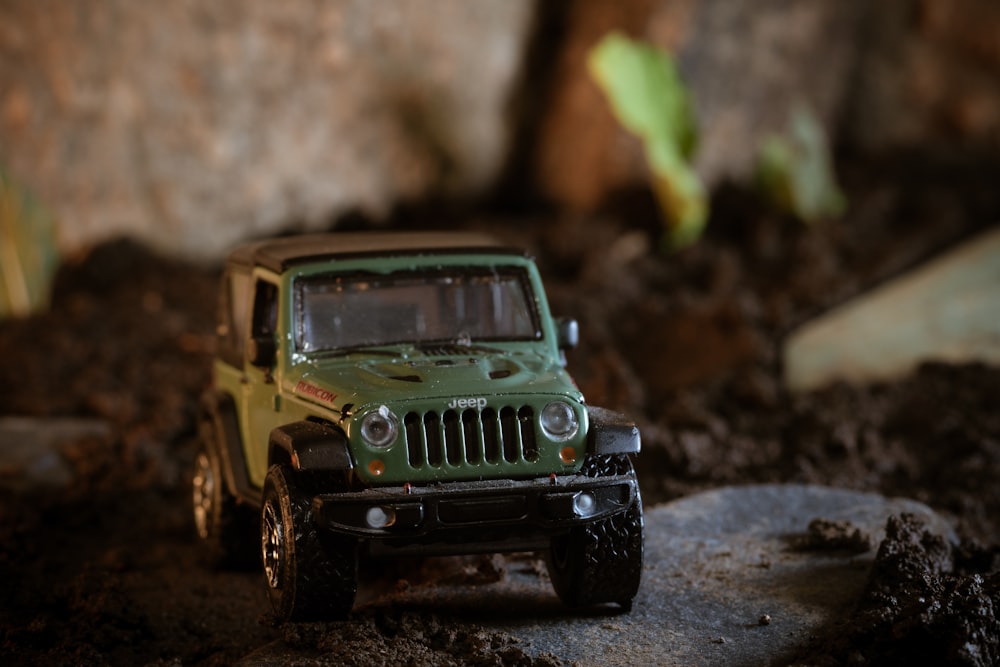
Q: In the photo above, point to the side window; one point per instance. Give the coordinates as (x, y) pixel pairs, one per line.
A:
(232, 318)
(265, 309)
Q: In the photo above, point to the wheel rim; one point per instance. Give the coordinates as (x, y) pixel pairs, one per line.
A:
(203, 490)
(272, 545)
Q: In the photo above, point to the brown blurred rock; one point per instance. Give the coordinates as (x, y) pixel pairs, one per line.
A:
(930, 75)
(191, 125)
(582, 152)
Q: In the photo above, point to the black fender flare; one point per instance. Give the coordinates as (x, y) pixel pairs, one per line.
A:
(309, 445)
(218, 410)
(611, 433)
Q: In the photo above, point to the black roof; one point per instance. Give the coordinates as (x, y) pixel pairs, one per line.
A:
(279, 253)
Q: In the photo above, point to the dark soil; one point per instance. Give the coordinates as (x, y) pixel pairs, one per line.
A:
(106, 571)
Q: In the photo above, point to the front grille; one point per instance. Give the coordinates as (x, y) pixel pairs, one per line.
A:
(472, 437)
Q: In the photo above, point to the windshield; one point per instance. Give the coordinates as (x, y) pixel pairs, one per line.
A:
(459, 305)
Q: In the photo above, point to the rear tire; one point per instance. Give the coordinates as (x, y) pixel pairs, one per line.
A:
(600, 562)
(310, 574)
(226, 529)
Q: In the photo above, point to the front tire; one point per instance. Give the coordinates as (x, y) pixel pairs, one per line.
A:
(600, 562)
(310, 574)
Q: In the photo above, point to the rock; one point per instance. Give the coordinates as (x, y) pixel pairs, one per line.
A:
(947, 310)
(715, 564)
(725, 582)
(32, 450)
(193, 126)
(928, 77)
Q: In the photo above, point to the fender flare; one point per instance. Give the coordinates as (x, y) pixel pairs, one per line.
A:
(219, 411)
(308, 445)
(611, 433)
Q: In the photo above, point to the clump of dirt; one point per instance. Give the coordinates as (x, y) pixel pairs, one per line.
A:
(926, 602)
(829, 535)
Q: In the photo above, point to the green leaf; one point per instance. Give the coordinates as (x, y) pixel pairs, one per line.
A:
(649, 99)
(28, 254)
(795, 173)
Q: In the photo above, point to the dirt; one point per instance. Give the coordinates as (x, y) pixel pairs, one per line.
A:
(927, 602)
(107, 571)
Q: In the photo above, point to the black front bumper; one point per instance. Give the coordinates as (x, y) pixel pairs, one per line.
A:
(473, 517)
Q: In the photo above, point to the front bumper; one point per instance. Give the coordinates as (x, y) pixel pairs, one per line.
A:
(473, 517)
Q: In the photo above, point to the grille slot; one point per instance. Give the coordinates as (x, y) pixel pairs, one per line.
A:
(470, 437)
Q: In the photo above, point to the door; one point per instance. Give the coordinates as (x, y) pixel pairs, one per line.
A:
(261, 403)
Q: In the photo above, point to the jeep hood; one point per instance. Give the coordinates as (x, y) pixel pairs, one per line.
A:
(417, 375)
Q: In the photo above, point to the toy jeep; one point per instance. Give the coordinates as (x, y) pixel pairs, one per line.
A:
(384, 395)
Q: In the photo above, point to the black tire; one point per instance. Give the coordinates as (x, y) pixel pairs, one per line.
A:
(310, 574)
(227, 530)
(600, 562)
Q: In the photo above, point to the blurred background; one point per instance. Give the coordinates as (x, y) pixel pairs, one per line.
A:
(191, 126)
(140, 141)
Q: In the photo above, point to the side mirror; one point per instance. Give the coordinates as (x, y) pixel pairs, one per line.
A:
(568, 332)
(261, 351)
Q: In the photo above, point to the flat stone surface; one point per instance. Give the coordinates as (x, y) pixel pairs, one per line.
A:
(715, 564)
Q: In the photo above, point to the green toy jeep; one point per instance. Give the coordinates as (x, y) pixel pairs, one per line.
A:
(383, 395)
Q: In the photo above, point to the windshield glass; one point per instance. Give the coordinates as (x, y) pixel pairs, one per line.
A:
(459, 305)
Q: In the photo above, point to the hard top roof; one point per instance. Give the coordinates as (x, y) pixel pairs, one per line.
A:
(278, 254)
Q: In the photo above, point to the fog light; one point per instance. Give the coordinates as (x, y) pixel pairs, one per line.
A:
(380, 517)
(584, 504)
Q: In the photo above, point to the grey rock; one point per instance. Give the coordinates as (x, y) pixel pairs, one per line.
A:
(31, 450)
(194, 125)
(748, 64)
(716, 564)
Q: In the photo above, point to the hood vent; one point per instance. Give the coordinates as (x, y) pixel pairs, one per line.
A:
(406, 378)
(456, 350)
(445, 350)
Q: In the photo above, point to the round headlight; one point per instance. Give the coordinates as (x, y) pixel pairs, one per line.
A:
(559, 421)
(380, 428)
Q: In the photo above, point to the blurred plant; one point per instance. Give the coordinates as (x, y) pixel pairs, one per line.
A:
(28, 254)
(794, 171)
(649, 99)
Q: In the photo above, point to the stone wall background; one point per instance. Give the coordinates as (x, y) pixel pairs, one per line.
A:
(192, 125)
